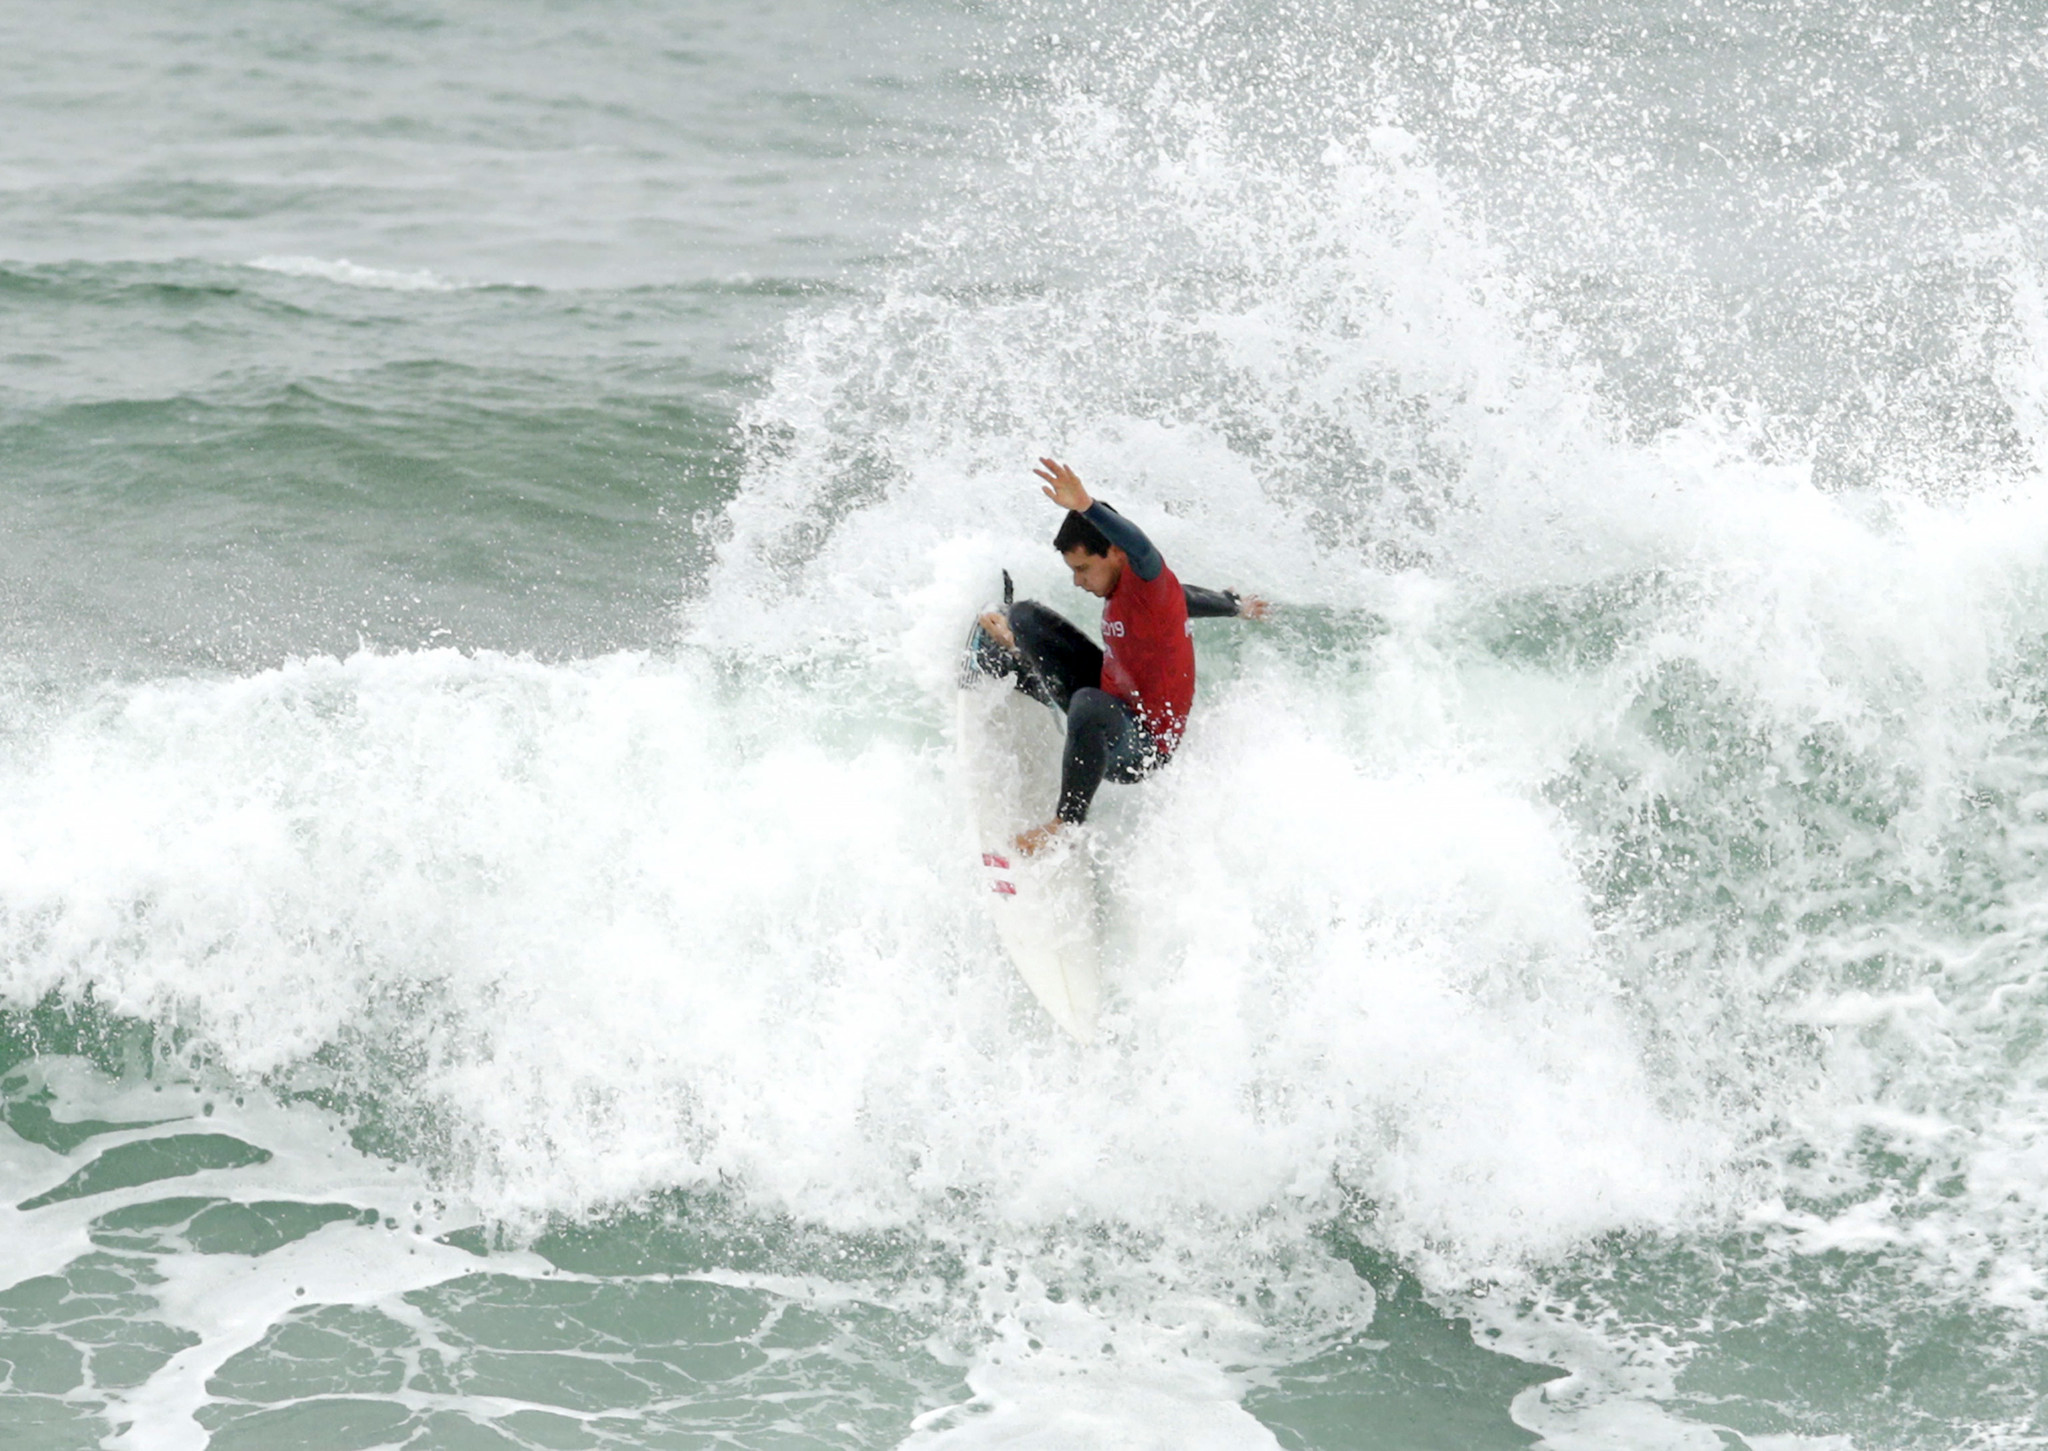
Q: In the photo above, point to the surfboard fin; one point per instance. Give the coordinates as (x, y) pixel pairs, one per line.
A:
(1009, 589)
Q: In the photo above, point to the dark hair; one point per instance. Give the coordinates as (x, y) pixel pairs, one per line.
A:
(1076, 532)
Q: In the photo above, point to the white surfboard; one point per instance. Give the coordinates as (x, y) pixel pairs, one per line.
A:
(1043, 906)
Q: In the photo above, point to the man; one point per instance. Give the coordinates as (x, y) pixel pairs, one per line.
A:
(1127, 703)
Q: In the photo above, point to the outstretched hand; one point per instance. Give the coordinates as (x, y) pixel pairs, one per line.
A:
(1063, 486)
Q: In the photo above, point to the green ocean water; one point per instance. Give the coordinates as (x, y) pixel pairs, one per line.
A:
(487, 957)
(229, 559)
(636, 1329)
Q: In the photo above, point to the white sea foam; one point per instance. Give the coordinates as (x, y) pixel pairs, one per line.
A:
(635, 892)
(227, 1302)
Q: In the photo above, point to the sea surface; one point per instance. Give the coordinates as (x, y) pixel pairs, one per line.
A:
(490, 495)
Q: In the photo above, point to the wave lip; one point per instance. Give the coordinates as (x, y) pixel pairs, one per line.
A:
(352, 274)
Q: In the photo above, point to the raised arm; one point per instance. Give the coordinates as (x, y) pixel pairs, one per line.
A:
(1063, 486)
(1126, 536)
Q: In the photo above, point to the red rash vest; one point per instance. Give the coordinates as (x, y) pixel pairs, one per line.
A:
(1148, 651)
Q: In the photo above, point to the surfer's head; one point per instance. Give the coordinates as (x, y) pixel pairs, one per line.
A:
(1096, 563)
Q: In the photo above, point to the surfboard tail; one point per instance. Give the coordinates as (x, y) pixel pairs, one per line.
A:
(1042, 907)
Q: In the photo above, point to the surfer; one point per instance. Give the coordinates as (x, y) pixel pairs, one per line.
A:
(1126, 701)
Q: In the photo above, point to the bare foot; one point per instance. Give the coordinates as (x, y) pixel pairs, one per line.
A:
(998, 626)
(1036, 840)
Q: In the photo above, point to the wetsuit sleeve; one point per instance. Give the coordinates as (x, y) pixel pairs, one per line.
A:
(1208, 604)
(1128, 537)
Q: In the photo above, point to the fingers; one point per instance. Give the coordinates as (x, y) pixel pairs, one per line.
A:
(998, 627)
(1063, 484)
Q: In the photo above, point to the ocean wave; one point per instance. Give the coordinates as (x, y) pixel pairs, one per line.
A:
(350, 274)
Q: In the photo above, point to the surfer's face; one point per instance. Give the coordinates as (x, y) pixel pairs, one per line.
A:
(1096, 573)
